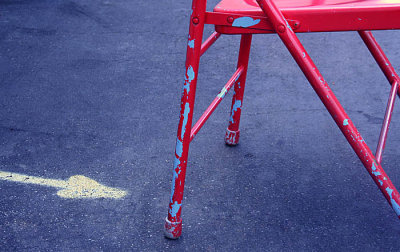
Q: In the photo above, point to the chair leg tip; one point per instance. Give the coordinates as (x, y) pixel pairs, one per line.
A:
(232, 137)
(172, 230)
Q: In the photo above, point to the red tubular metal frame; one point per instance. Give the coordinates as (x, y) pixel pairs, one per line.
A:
(393, 79)
(273, 21)
(209, 42)
(330, 101)
(379, 57)
(386, 122)
(232, 132)
(214, 104)
(173, 223)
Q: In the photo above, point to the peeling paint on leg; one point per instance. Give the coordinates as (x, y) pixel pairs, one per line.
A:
(174, 209)
(376, 173)
(395, 206)
(188, 78)
(191, 43)
(190, 74)
(245, 22)
(185, 119)
(380, 182)
(373, 167)
(345, 122)
(235, 107)
(174, 176)
(178, 148)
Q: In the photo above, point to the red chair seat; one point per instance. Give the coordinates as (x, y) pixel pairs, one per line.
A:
(319, 15)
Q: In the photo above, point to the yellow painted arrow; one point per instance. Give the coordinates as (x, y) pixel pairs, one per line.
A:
(75, 187)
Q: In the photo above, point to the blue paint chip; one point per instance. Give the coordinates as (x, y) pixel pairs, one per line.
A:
(190, 74)
(186, 87)
(376, 173)
(288, 26)
(235, 107)
(373, 167)
(191, 43)
(174, 177)
(174, 209)
(178, 148)
(185, 119)
(245, 22)
(188, 78)
(177, 162)
(395, 206)
(345, 122)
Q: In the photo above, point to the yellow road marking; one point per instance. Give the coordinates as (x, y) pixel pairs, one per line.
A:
(75, 187)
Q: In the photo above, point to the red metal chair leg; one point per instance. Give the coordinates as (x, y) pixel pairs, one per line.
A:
(393, 79)
(173, 223)
(380, 58)
(233, 133)
(337, 112)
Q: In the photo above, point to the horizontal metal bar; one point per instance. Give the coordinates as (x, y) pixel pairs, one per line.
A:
(209, 42)
(228, 19)
(214, 104)
(386, 122)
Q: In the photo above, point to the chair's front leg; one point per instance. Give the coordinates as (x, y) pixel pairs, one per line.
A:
(233, 133)
(173, 223)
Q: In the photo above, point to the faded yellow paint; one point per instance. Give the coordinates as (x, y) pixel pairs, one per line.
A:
(76, 187)
(391, 1)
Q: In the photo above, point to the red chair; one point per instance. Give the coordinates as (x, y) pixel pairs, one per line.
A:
(286, 18)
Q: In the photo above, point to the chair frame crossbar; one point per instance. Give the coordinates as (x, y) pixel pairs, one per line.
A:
(273, 22)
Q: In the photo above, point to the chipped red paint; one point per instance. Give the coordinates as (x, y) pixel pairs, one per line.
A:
(232, 133)
(172, 230)
(270, 19)
(232, 137)
(173, 225)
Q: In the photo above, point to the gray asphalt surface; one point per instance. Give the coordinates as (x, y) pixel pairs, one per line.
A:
(93, 88)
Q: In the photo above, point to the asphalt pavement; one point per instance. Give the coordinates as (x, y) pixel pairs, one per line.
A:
(92, 88)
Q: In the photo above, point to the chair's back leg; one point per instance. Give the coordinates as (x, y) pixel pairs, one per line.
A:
(233, 133)
(330, 101)
(380, 57)
(393, 79)
(173, 223)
